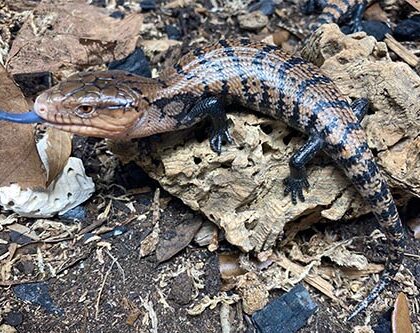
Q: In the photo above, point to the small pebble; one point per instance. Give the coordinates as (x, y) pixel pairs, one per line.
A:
(26, 267)
(182, 289)
(118, 231)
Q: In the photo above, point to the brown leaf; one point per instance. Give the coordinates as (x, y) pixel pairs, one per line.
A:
(73, 34)
(401, 316)
(19, 160)
(183, 235)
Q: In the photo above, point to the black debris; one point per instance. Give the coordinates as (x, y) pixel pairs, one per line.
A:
(13, 318)
(267, 7)
(376, 29)
(18, 238)
(117, 15)
(173, 32)
(75, 214)
(38, 294)
(135, 63)
(148, 4)
(408, 29)
(33, 83)
(286, 314)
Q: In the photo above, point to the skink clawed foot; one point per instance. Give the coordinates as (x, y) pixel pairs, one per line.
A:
(217, 136)
(295, 185)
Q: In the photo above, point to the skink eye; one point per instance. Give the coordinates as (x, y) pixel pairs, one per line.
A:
(84, 110)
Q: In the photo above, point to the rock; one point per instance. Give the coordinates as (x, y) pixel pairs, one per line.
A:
(26, 267)
(253, 21)
(154, 46)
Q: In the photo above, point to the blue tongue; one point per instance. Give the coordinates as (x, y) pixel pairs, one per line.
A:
(23, 118)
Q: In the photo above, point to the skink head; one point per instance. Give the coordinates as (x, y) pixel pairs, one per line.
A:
(100, 104)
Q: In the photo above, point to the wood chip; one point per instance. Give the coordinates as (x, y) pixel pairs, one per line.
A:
(315, 281)
(405, 54)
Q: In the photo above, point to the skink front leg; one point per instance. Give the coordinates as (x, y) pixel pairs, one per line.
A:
(211, 107)
(298, 180)
(360, 107)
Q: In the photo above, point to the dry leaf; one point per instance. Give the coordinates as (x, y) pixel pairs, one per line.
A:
(19, 160)
(72, 34)
(401, 316)
(54, 149)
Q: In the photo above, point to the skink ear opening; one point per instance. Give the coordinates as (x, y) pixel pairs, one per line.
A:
(23, 118)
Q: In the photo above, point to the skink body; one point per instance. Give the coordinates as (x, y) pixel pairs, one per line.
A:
(258, 76)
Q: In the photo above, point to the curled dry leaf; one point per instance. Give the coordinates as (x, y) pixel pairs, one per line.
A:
(68, 190)
(401, 316)
(19, 160)
(68, 34)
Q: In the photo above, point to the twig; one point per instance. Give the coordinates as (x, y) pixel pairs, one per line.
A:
(102, 288)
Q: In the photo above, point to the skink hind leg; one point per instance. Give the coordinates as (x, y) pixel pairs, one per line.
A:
(298, 180)
(211, 107)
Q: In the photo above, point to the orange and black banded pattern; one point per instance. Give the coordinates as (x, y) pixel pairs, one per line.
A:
(258, 76)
